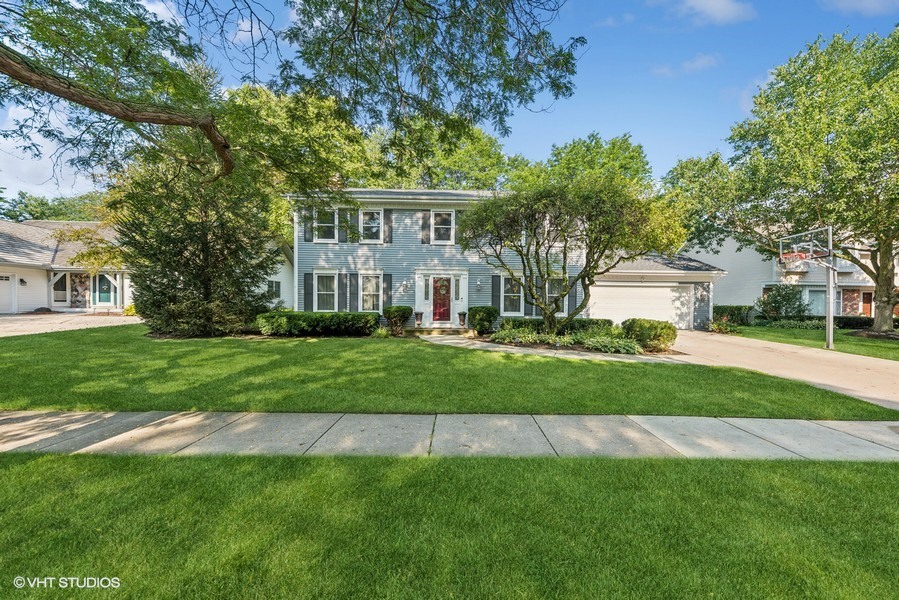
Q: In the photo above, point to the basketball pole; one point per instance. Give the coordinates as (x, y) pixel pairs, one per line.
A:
(831, 284)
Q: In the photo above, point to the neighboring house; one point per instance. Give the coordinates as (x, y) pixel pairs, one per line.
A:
(408, 255)
(36, 271)
(750, 274)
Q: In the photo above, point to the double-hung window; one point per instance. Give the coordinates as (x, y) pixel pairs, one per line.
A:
(370, 290)
(554, 288)
(274, 288)
(513, 297)
(443, 226)
(371, 229)
(324, 226)
(325, 292)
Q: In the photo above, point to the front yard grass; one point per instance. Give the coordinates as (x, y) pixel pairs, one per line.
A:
(120, 369)
(230, 527)
(814, 338)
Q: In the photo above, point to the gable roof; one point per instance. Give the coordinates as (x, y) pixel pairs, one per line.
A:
(657, 263)
(33, 244)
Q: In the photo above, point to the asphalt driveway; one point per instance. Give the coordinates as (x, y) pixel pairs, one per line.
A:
(873, 379)
(47, 322)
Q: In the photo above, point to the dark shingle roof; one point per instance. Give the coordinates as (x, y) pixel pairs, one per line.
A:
(676, 264)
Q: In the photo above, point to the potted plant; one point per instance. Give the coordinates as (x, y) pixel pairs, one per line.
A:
(418, 318)
(462, 316)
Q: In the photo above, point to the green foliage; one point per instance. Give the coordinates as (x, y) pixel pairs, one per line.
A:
(129, 311)
(482, 318)
(530, 336)
(301, 324)
(613, 345)
(852, 322)
(782, 300)
(27, 207)
(396, 318)
(797, 324)
(652, 335)
(536, 323)
(733, 313)
(380, 332)
(594, 200)
(723, 326)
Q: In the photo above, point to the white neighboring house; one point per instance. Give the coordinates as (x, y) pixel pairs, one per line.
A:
(750, 274)
(36, 272)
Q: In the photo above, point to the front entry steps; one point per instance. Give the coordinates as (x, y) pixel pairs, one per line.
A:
(416, 331)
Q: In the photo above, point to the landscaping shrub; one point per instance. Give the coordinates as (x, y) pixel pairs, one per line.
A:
(529, 336)
(722, 326)
(652, 335)
(737, 314)
(852, 322)
(782, 301)
(793, 324)
(481, 318)
(129, 311)
(396, 318)
(612, 345)
(381, 332)
(536, 324)
(288, 323)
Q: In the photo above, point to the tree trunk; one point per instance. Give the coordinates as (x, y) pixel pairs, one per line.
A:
(885, 293)
(550, 323)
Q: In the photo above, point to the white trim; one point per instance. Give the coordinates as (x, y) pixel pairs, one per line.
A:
(296, 262)
(380, 276)
(452, 240)
(53, 280)
(423, 279)
(380, 239)
(14, 296)
(316, 223)
(115, 292)
(315, 274)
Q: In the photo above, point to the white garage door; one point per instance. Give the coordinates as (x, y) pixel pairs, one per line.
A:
(5, 293)
(663, 302)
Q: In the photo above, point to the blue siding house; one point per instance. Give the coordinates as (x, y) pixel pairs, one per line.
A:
(407, 254)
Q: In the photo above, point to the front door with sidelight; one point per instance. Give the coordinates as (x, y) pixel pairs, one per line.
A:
(442, 293)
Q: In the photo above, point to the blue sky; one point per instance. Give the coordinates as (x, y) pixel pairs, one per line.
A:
(675, 74)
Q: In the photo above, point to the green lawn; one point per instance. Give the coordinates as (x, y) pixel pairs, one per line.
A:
(843, 341)
(451, 528)
(119, 368)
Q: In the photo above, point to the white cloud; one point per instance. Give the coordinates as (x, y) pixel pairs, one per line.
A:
(615, 21)
(746, 96)
(717, 12)
(162, 10)
(869, 8)
(700, 62)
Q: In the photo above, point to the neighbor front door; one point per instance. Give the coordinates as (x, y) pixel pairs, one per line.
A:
(867, 302)
(442, 299)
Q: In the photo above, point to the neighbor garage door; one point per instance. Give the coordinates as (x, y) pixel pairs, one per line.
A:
(5, 293)
(672, 303)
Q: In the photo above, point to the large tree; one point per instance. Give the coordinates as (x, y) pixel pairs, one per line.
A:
(592, 204)
(100, 78)
(25, 207)
(821, 148)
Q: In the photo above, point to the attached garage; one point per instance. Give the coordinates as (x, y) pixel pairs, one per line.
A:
(677, 289)
(672, 303)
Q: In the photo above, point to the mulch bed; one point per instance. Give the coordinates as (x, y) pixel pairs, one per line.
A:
(879, 335)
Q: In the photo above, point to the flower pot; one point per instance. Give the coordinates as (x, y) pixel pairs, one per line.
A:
(418, 317)
(462, 316)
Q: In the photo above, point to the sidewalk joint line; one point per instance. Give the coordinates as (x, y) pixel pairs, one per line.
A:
(324, 433)
(431, 440)
(765, 439)
(246, 414)
(857, 436)
(630, 418)
(544, 435)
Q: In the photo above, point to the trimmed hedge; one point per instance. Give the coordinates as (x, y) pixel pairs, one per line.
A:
(535, 324)
(652, 335)
(396, 318)
(611, 345)
(288, 323)
(803, 324)
(481, 318)
(737, 314)
(842, 322)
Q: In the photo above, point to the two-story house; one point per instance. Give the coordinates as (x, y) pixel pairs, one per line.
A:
(407, 254)
(750, 273)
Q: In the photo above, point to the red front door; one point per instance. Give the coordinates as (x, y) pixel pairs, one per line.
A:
(867, 301)
(442, 299)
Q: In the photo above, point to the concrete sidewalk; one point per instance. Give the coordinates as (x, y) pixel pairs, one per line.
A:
(30, 323)
(208, 433)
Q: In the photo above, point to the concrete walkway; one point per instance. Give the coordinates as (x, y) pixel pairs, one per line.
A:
(207, 433)
(48, 322)
(875, 380)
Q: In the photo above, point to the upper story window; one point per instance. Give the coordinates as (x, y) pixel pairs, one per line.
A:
(443, 226)
(371, 227)
(324, 226)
